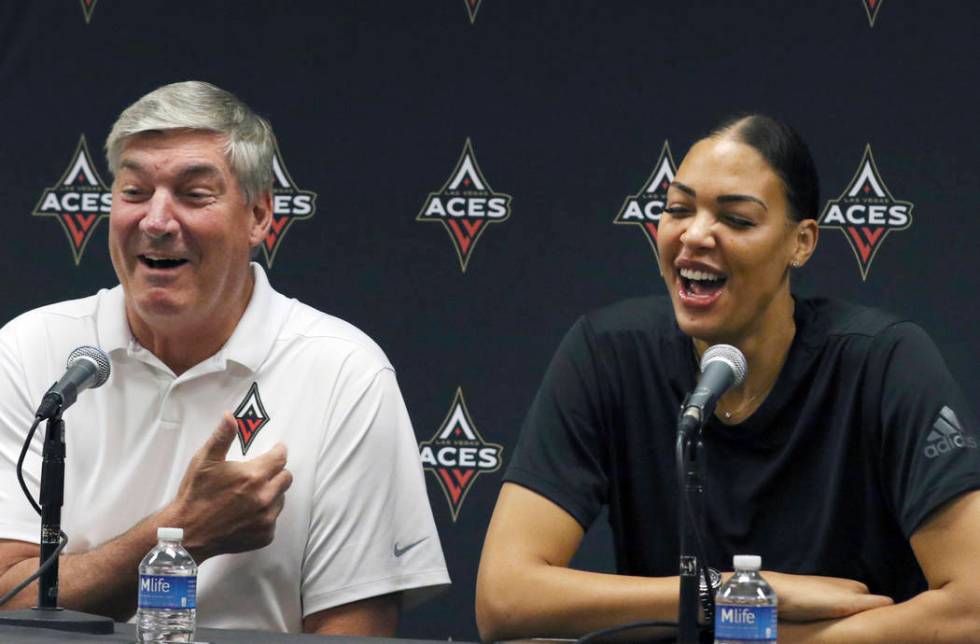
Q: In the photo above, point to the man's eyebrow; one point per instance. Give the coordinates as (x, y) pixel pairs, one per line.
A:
(735, 198)
(193, 170)
(129, 164)
(199, 170)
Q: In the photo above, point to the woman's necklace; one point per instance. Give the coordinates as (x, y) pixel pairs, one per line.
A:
(734, 413)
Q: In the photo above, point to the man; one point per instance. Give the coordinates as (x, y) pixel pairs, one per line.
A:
(307, 510)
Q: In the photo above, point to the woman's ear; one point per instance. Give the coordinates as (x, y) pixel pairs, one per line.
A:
(806, 236)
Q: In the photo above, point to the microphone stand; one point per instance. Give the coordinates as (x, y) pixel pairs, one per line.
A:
(689, 445)
(47, 614)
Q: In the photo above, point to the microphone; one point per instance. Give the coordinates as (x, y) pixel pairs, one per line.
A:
(722, 367)
(87, 368)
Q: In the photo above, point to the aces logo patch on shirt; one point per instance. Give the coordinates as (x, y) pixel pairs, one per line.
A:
(251, 417)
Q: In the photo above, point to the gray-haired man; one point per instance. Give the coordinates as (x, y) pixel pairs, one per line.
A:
(316, 519)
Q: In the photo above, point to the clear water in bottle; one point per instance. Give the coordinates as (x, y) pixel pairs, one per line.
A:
(745, 605)
(167, 608)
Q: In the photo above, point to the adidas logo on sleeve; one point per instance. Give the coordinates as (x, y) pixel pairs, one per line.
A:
(946, 435)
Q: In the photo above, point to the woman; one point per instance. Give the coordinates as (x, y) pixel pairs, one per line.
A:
(818, 461)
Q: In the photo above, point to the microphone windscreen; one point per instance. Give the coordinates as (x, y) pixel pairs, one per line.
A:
(729, 354)
(97, 356)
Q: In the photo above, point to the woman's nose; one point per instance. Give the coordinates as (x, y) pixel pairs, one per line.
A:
(699, 231)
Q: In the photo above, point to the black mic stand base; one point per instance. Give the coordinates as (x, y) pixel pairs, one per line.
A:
(47, 614)
(58, 619)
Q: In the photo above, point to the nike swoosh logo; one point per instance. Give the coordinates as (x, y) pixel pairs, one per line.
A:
(400, 551)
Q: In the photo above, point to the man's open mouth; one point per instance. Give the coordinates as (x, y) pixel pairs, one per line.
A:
(701, 282)
(158, 261)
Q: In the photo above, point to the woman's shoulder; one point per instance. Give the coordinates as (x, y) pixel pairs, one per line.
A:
(825, 317)
(860, 331)
(652, 314)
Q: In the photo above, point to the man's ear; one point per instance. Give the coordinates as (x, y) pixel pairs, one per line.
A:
(261, 219)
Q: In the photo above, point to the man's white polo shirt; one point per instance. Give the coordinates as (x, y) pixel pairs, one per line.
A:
(356, 521)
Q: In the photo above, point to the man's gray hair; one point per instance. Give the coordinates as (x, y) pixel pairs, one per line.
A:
(196, 105)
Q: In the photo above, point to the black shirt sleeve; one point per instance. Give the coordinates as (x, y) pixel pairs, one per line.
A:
(560, 452)
(928, 441)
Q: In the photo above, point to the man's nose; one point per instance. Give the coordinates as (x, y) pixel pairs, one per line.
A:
(159, 219)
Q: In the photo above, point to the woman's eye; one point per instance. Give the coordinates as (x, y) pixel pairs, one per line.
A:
(677, 211)
(738, 222)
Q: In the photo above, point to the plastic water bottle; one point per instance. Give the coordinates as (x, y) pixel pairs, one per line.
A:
(745, 606)
(167, 606)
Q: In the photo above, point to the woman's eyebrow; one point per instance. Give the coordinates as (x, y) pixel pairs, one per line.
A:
(730, 198)
(683, 188)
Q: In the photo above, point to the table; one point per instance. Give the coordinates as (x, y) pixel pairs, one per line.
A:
(127, 633)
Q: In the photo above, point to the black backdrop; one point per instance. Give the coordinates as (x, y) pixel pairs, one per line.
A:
(568, 104)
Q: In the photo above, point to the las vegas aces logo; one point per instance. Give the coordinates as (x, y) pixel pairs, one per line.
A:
(472, 7)
(289, 204)
(871, 8)
(865, 212)
(251, 417)
(465, 205)
(645, 208)
(88, 6)
(457, 454)
(79, 201)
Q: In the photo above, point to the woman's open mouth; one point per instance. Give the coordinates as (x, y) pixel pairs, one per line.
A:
(699, 287)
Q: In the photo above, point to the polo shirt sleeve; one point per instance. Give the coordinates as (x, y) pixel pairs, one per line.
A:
(369, 496)
(560, 453)
(18, 520)
(930, 445)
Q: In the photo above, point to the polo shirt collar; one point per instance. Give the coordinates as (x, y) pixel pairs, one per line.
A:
(259, 327)
(113, 328)
(248, 345)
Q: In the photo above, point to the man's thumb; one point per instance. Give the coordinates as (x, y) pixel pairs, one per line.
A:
(218, 443)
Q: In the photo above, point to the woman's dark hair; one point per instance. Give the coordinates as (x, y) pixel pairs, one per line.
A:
(786, 153)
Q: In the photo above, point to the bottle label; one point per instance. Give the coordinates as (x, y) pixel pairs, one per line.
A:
(166, 591)
(745, 623)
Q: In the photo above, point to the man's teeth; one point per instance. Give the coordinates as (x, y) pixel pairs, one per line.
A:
(700, 276)
(156, 261)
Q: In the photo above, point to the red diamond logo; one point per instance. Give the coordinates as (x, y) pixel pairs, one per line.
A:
(457, 454)
(871, 8)
(646, 206)
(866, 212)
(466, 213)
(79, 201)
(289, 205)
(472, 6)
(251, 417)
